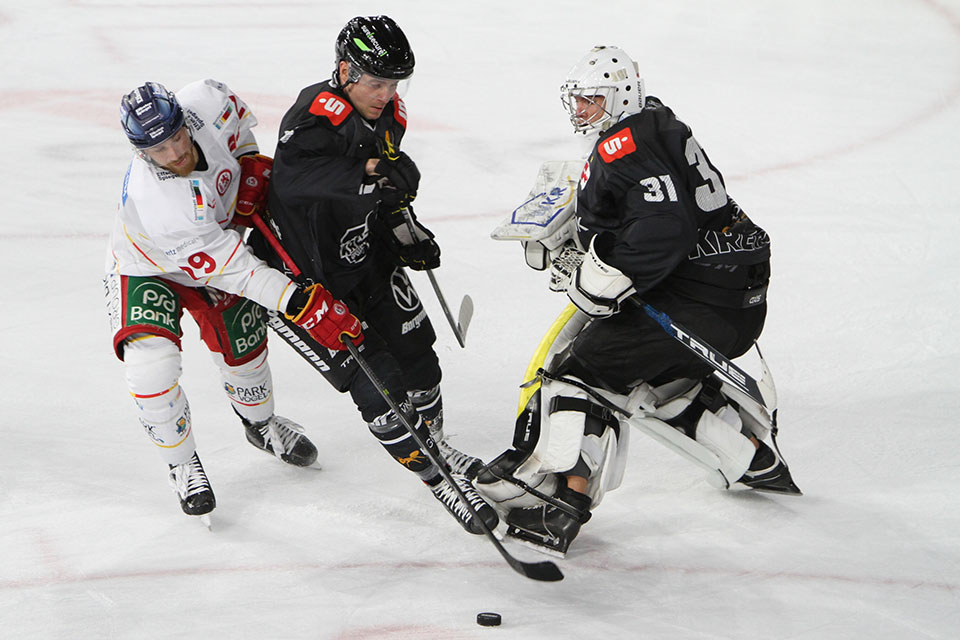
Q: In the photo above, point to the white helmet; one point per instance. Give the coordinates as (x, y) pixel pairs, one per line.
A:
(606, 72)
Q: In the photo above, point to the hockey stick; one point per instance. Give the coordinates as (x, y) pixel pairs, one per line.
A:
(466, 305)
(542, 571)
(730, 373)
(545, 571)
(261, 225)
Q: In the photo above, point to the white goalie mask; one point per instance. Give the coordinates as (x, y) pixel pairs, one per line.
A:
(607, 77)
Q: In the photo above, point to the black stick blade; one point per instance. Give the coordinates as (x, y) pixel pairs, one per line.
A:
(545, 571)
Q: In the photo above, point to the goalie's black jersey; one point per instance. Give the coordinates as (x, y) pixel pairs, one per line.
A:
(660, 213)
(320, 197)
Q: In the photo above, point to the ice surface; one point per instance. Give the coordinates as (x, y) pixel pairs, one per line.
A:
(836, 127)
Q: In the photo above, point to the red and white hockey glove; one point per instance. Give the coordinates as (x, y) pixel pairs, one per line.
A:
(254, 179)
(325, 318)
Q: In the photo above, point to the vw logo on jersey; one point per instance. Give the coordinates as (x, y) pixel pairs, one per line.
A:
(403, 292)
(224, 178)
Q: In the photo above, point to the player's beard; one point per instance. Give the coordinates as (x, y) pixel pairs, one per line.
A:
(188, 163)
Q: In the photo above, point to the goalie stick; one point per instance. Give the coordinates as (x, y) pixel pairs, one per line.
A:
(763, 392)
(542, 571)
(545, 571)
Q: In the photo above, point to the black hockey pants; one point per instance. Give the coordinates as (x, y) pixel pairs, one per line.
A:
(398, 344)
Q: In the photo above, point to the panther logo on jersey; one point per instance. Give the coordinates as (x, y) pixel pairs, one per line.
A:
(617, 146)
(354, 244)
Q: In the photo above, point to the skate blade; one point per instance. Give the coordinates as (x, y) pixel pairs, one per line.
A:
(533, 542)
(789, 490)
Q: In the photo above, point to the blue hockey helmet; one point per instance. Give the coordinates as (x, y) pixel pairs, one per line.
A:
(150, 114)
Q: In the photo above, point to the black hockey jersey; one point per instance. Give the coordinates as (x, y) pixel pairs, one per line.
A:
(660, 213)
(320, 198)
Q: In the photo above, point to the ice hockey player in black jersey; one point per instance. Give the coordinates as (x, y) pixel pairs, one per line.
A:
(653, 221)
(340, 203)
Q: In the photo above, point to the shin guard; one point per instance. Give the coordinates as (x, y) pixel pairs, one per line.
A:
(152, 366)
(393, 435)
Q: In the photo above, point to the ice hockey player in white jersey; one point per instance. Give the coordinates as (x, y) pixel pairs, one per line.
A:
(646, 215)
(195, 178)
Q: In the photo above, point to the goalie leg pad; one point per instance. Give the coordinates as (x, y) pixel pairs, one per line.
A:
(152, 368)
(569, 416)
(732, 448)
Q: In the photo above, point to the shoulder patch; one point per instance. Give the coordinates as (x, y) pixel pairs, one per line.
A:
(399, 111)
(617, 146)
(331, 106)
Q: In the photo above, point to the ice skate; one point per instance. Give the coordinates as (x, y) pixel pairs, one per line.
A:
(547, 527)
(460, 463)
(450, 499)
(283, 438)
(767, 472)
(190, 482)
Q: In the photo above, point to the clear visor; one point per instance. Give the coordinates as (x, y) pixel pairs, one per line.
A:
(587, 106)
(375, 84)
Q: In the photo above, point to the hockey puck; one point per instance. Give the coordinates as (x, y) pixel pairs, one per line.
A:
(488, 619)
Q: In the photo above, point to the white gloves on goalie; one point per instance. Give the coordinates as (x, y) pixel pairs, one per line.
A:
(598, 288)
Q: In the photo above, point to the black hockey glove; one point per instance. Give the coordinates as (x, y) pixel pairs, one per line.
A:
(402, 173)
(412, 244)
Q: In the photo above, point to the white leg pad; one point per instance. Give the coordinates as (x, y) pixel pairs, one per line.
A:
(504, 495)
(249, 387)
(561, 433)
(720, 433)
(606, 457)
(152, 367)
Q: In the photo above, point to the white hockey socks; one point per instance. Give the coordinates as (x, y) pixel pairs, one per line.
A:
(249, 387)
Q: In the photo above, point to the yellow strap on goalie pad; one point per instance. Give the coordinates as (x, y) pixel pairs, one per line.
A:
(536, 362)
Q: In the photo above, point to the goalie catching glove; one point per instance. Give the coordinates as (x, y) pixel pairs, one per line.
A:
(254, 179)
(325, 318)
(598, 288)
(411, 243)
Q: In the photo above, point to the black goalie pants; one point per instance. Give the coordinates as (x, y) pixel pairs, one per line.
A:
(619, 352)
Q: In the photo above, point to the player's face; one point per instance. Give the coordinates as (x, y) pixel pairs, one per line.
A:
(176, 154)
(369, 95)
(589, 108)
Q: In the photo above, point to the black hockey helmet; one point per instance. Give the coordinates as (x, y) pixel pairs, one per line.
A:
(376, 45)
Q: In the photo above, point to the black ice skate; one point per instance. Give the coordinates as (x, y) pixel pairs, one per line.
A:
(451, 500)
(548, 527)
(460, 463)
(767, 472)
(283, 438)
(190, 482)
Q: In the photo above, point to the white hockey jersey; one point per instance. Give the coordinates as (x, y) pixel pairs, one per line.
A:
(179, 228)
